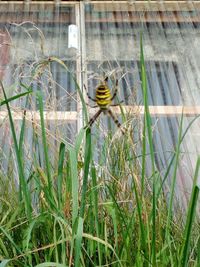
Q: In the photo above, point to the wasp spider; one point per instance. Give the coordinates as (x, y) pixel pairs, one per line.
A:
(103, 99)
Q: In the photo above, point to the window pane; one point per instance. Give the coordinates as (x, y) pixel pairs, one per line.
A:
(113, 38)
(29, 36)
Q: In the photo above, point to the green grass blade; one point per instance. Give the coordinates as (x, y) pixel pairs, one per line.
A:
(79, 140)
(50, 264)
(150, 139)
(195, 177)
(78, 242)
(106, 244)
(188, 227)
(190, 216)
(143, 156)
(21, 138)
(87, 158)
(44, 141)
(24, 192)
(74, 182)
(60, 173)
(95, 209)
(146, 106)
(121, 216)
(79, 230)
(74, 165)
(9, 237)
(4, 102)
(172, 189)
(141, 225)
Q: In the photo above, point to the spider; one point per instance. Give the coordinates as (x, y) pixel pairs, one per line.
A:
(103, 99)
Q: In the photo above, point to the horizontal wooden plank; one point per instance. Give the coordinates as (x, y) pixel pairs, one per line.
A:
(158, 110)
(62, 18)
(35, 115)
(24, 6)
(145, 17)
(146, 5)
(123, 5)
(131, 18)
(72, 116)
(72, 2)
(107, 6)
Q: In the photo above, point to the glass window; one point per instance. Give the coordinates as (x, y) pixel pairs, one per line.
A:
(30, 34)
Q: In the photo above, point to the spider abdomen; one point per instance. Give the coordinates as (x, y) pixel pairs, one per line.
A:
(103, 99)
(103, 96)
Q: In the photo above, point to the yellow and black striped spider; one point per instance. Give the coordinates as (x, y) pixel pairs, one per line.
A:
(103, 99)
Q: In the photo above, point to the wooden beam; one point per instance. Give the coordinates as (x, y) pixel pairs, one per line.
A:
(32, 116)
(28, 2)
(63, 18)
(164, 111)
(123, 5)
(71, 116)
(134, 18)
(165, 5)
(145, 17)
(17, 6)
(7, 8)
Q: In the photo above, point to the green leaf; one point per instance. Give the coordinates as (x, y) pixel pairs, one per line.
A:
(78, 241)
(148, 125)
(190, 217)
(4, 102)
(24, 192)
(74, 182)
(60, 173)
(44, 141)
(79, 140)
(87, 158)
(50, 264)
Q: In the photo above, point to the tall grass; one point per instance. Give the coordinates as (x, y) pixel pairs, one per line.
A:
(82, 213)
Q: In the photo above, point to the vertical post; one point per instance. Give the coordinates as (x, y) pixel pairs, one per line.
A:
(81, 67)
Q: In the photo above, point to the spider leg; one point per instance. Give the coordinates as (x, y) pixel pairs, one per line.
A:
(115, 120)
(114, 105)
(96, 106)
(106, 79)
(93, 119)
(94, 100)
(116, 89)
